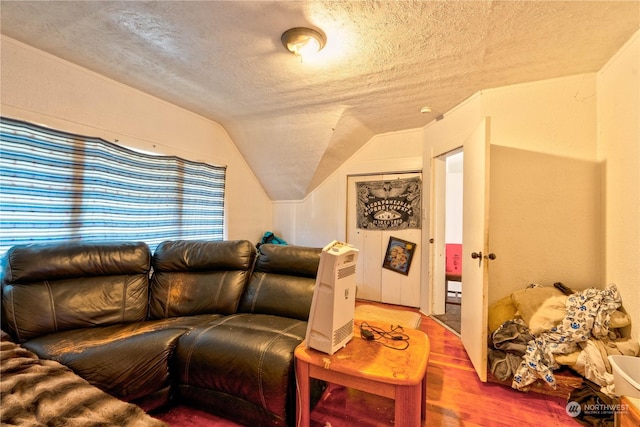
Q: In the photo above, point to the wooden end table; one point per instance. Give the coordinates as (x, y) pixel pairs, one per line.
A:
(371, 367)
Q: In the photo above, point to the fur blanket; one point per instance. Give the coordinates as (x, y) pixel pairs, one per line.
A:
(36, 392)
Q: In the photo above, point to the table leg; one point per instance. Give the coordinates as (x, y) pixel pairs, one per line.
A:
(423, 409)
(302, 390)
(408, 406)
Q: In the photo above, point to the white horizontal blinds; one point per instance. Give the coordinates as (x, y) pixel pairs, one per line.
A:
(59, 187)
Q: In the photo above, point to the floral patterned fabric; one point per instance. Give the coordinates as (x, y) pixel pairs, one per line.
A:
(588, 315)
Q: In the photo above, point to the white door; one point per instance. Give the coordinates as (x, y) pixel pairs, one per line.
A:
(475, 247)
(374, 282)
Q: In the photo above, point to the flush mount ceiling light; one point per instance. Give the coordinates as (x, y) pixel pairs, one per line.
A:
(303, 41)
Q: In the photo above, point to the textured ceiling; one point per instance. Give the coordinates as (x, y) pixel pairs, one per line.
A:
(296, 122)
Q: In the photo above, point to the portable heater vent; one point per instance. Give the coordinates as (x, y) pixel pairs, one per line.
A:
(346, 271)
(340, 334)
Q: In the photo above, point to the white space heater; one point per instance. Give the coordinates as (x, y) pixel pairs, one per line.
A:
(330, 324)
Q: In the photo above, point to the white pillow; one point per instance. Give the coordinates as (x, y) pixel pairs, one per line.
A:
(529, 300)
(548, 315)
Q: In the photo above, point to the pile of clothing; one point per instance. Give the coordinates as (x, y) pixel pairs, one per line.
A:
(582, 338)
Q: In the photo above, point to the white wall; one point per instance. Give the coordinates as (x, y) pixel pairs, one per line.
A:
(454, 189)
(618, 118)
(584, 132)
(555, 117)
(43, 89)
(321, 216)
(544, 191)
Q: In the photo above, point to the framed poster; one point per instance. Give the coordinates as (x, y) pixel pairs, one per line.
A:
(393, 204)
(399, 255)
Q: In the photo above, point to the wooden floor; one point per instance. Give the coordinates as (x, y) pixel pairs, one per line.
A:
(455, 397)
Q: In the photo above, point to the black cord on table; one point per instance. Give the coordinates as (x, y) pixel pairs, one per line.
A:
(395, 333)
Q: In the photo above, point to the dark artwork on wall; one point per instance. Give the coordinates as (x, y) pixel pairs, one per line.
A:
(389, 205)
(399, 255)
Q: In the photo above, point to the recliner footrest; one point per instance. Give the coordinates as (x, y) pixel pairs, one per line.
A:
(244, 356)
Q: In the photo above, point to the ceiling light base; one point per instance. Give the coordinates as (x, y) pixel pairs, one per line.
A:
(302, 41)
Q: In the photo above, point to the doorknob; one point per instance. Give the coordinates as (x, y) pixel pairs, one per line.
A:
(478, 256)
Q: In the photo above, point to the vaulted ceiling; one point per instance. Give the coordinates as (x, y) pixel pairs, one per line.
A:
(296, 122)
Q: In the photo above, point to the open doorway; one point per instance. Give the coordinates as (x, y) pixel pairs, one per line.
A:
(450, 274)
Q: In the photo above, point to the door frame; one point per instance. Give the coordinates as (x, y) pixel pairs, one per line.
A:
(438, 252)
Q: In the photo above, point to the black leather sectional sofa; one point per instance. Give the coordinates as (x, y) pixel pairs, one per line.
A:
(212, 324)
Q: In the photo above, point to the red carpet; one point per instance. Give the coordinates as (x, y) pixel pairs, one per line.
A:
(184, 416)
(339, 407)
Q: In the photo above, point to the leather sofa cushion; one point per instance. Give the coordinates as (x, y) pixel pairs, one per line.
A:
(130, 362)
(198, 277)
(49, 288)
(26, 264)
(282, 282)
(244, 361)
(298, 261)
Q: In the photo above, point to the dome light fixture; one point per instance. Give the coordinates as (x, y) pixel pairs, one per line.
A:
(303, 41)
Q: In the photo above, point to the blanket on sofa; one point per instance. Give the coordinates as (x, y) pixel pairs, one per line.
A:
(37, 392)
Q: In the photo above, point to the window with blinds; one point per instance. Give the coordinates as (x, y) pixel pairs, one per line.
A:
(59, 187)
